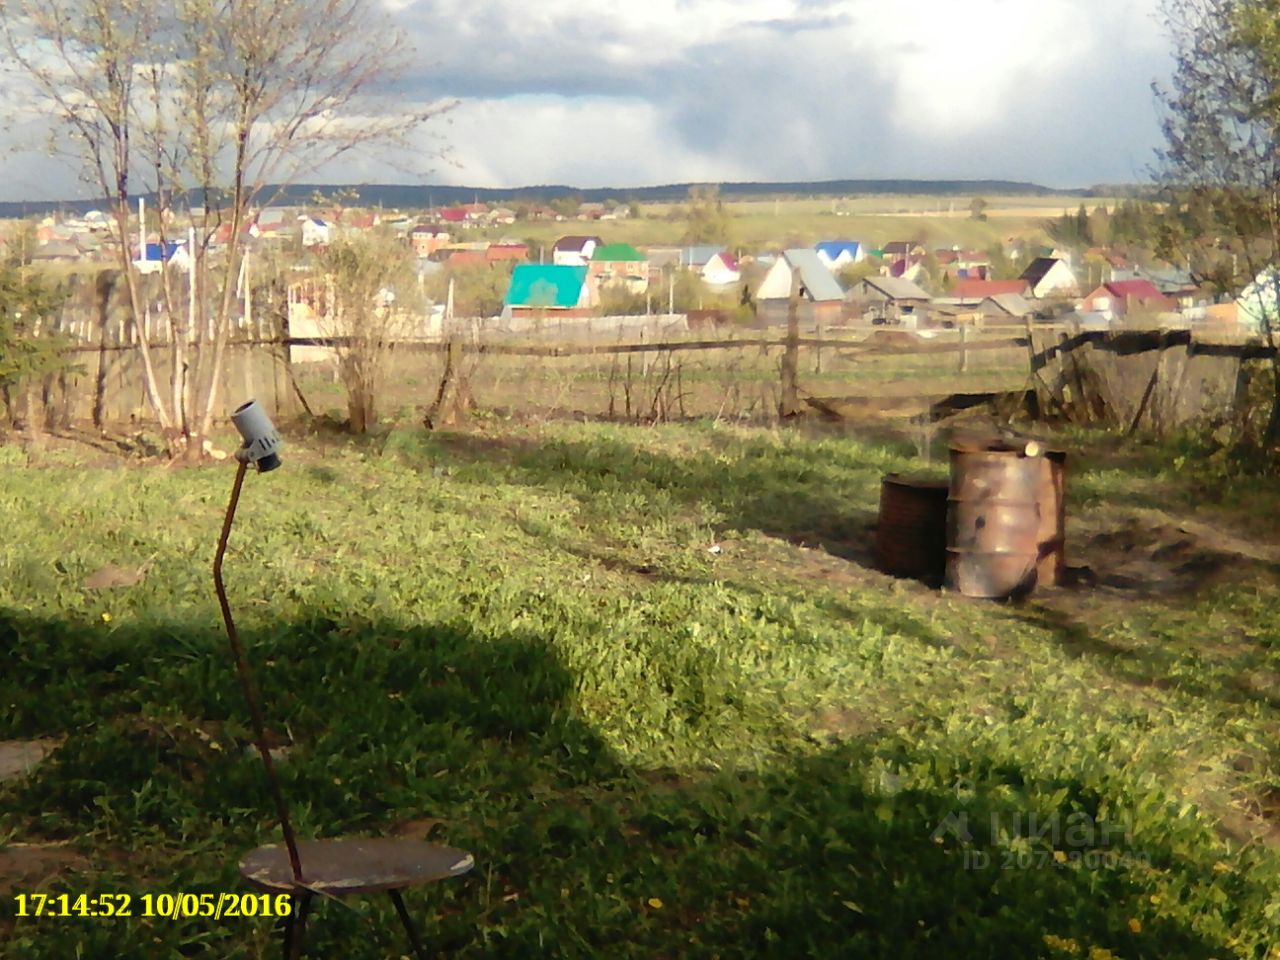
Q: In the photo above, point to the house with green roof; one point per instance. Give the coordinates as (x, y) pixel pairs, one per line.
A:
(619, 263)
(548, 289)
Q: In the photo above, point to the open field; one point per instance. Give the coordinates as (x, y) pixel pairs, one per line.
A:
(766, 224)
(652, 748)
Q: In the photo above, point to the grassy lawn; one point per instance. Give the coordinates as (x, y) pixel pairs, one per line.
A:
(652, 748)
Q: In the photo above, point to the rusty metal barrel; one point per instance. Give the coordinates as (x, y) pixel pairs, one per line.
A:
(1052, 536)
(911, 537)
(993, 522)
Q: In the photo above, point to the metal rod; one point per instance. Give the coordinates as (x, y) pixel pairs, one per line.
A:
(296, 932)
(246, 680)
(414, 942)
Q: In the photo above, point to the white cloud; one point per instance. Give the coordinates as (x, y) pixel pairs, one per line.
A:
(626, 92)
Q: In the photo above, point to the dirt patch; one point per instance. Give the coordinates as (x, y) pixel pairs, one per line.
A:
(28, 866)
(1148, 552)
(19, 757)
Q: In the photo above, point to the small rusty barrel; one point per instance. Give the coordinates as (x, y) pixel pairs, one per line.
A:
(993, 522)
(1052, 537)
(911, 538)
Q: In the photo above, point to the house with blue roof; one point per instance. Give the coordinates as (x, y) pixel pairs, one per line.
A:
(549, 290)
(838, 254)
(153, 256)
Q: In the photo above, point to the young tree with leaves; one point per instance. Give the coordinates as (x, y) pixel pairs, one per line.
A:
(1221, 161)
(28, 351)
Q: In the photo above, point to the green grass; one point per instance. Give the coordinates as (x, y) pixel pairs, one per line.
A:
(652, 750)
(761, 225)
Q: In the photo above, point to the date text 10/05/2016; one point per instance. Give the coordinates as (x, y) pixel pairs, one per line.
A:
(173, 906)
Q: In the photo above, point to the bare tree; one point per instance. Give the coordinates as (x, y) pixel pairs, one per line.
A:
(216, 106)
(372, 299)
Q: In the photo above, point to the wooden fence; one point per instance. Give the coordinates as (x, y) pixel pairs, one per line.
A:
(1127, 375)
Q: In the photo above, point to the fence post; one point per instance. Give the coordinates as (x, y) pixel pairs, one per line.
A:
(964, 353)
(790, 404)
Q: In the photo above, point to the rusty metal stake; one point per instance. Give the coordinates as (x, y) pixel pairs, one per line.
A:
(246, 680)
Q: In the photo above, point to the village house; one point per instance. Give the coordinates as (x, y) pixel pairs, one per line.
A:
(956, 264)
(506, 253)
(155, 256)
(619, 263)
(1050, 277)
(315, 232)
(548, 290)
(722, 270)
(1257, 304)
(427, 238)
(838, 254)
(574, 251)
(1119, 298)
(821, 297)
(888, 298)
(977, 290)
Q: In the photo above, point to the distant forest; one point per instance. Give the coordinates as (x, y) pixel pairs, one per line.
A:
(407, 197)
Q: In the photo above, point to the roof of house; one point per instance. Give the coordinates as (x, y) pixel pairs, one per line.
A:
(1038, 269)
(815, 278)
(507, 251)
(896, 288)
(617, 252)
(833, 248)
(545, 285)
(466, 258)
(1132, 290)
(57, 250)
(729, 261)
(575, 244)
(1014, 304)
(431, 230)
(698, 255)
(156, 251)
(899, 246)
(979, 289)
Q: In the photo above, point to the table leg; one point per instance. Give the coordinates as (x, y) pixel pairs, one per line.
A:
(295, 926)
(408, 925)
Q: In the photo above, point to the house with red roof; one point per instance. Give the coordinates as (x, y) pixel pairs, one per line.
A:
(427, 238)
(721, 270)
(1121, 297)
(506, 253)
(968, 289)
(454, 259)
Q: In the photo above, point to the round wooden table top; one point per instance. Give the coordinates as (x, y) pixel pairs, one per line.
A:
(354, 865)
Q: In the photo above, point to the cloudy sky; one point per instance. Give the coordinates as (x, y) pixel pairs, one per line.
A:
(636, 92)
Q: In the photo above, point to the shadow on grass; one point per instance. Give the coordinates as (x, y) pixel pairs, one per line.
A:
(579, 854)
(1150, 665)
(822, 496)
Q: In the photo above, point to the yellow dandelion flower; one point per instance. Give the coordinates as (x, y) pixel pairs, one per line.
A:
(1059, 856)
(1061, 944)
(106, 617)
(1135, 925)
(655, 903)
